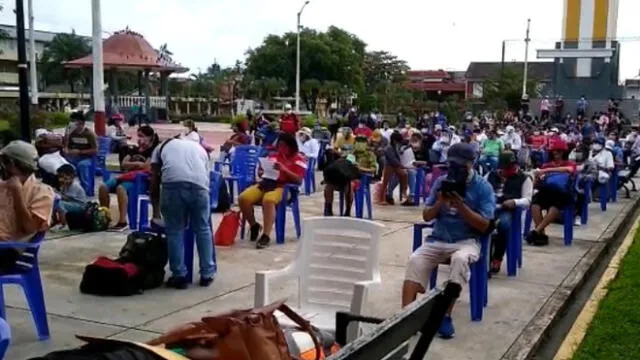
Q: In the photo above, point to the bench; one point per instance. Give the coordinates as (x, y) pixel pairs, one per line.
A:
(389, 340)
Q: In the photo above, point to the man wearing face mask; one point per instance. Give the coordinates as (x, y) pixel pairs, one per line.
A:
(289, 122)
(512, 139)
(79, 148)
(603, 160)
(462, 203)
(512, 188)
(491, 149)
(26, 202)
(308, 146)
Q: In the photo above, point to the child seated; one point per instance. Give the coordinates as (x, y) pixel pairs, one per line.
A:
(73, 196)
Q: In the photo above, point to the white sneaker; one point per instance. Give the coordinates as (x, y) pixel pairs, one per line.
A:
(577, 222)
(59, 227)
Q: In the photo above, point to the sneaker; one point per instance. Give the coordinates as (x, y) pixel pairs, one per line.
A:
(446, 330)
(121, 226)
(263, 242)
(408, 202)
(577, 222)
(541, 240)
(254, 231)
(495, 266)
(59, 227)
(157, 222)
(531, 236)
(178, 282)
(204, 282)
(389, 200)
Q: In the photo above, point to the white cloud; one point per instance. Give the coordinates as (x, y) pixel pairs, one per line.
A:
(428, 34)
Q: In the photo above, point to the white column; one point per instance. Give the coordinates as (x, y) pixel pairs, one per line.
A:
(32, 56)
(98, 75)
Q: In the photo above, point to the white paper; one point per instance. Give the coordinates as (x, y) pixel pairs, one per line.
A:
(407, 158)
(268, 172)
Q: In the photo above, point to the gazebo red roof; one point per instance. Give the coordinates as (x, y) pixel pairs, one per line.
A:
(129, 50)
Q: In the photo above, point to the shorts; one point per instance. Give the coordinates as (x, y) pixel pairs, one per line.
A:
(428, 256)
(71, 206)
(547, 198)
(253, 194)
(112, 184)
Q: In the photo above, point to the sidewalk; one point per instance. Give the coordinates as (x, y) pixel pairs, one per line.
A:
(519, 308)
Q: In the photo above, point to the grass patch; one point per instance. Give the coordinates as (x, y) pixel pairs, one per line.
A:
(615, 330)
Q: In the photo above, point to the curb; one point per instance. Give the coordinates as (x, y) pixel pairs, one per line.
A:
(526, 344)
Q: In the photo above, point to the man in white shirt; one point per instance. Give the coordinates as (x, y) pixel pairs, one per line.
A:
(603, 160)
(307, 145)
(512, 139)
(182, 167)
(454, 137)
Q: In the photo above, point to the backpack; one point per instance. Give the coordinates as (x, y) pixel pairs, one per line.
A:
(139, 267)
(557, 181)
(224, 200)
(92, 219)
(340, 173)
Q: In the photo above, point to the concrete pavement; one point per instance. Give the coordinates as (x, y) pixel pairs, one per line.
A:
(518, 312)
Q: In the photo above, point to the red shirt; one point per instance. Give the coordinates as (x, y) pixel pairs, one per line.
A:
(289, 123)
(297, 164)
(538, 141)
(363, 131)
(563, 163)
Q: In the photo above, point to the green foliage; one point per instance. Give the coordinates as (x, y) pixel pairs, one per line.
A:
(384, 80)
(39, 119)
(329, 61)
(310, 121)
(614, 331)
(64, 47)
(505, 92)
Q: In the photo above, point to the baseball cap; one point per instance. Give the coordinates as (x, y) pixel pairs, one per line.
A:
(506, 159)
(22, 152)
(461, 153)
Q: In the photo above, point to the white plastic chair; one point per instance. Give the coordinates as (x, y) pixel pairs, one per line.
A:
(336, 263)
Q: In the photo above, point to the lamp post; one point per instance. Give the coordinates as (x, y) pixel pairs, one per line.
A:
(526, 60)
(22, 73)
(33, 75)
(298, 59)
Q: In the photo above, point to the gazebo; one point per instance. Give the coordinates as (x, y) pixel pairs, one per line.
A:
(127, 50)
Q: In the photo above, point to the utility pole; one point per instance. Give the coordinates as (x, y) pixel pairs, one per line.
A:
(32, 56)
(25, 127)
(526, 60)
(98, 74)
(298, 58)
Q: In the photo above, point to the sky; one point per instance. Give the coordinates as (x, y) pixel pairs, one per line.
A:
(428, 34)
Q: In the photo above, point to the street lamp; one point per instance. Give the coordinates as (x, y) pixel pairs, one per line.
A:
(298, 59)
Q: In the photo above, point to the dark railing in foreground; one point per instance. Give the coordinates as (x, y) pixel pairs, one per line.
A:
(389, 339)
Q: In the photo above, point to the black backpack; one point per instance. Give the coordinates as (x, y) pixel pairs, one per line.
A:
(139, 267)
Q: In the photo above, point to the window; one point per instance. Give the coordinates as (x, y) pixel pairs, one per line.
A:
(478, 90)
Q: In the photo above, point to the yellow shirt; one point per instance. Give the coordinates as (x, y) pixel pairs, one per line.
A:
(39, 199)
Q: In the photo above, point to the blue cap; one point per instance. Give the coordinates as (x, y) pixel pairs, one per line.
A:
(461, 153)
(600, 140)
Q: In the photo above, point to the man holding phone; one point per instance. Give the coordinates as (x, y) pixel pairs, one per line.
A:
(462, 203)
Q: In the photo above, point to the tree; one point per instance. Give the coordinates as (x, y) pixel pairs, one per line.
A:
(164, 55)
(63, 48)
(331, 56)
(505, 92)
(384, 76)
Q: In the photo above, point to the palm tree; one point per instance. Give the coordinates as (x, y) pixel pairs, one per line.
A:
(164, 55)
(63, 48)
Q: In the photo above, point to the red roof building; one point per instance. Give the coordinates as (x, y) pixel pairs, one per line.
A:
(435, 82)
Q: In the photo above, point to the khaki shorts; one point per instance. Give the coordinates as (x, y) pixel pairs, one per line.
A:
(427, 257)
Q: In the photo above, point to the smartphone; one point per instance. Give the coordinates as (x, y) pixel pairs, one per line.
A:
(450, 187)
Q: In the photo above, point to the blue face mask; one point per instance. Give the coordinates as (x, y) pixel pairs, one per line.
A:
(457, 173)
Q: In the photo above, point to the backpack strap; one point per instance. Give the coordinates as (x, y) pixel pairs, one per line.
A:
(160, 151)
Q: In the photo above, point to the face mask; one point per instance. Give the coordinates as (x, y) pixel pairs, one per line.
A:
(458, 173)
(361, 126)
(596, 147)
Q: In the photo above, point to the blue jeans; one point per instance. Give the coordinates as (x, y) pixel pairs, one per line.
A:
(499, 244)
(394, 182)
(84, 168)
(489, 160)
(181, 202)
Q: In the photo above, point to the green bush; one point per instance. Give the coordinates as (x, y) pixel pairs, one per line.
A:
(60, 119)
(309, 121)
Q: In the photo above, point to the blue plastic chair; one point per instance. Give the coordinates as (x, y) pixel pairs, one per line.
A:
(479, 282)
(26, 273)
(604, 195)
(613, 184)
(361, 198)
(421, 173)
(5, 337)
(290, 199)
(104, 149)
(514, 244)
(137, 213)
(568, 216)
(310, 177)
(242, 167)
